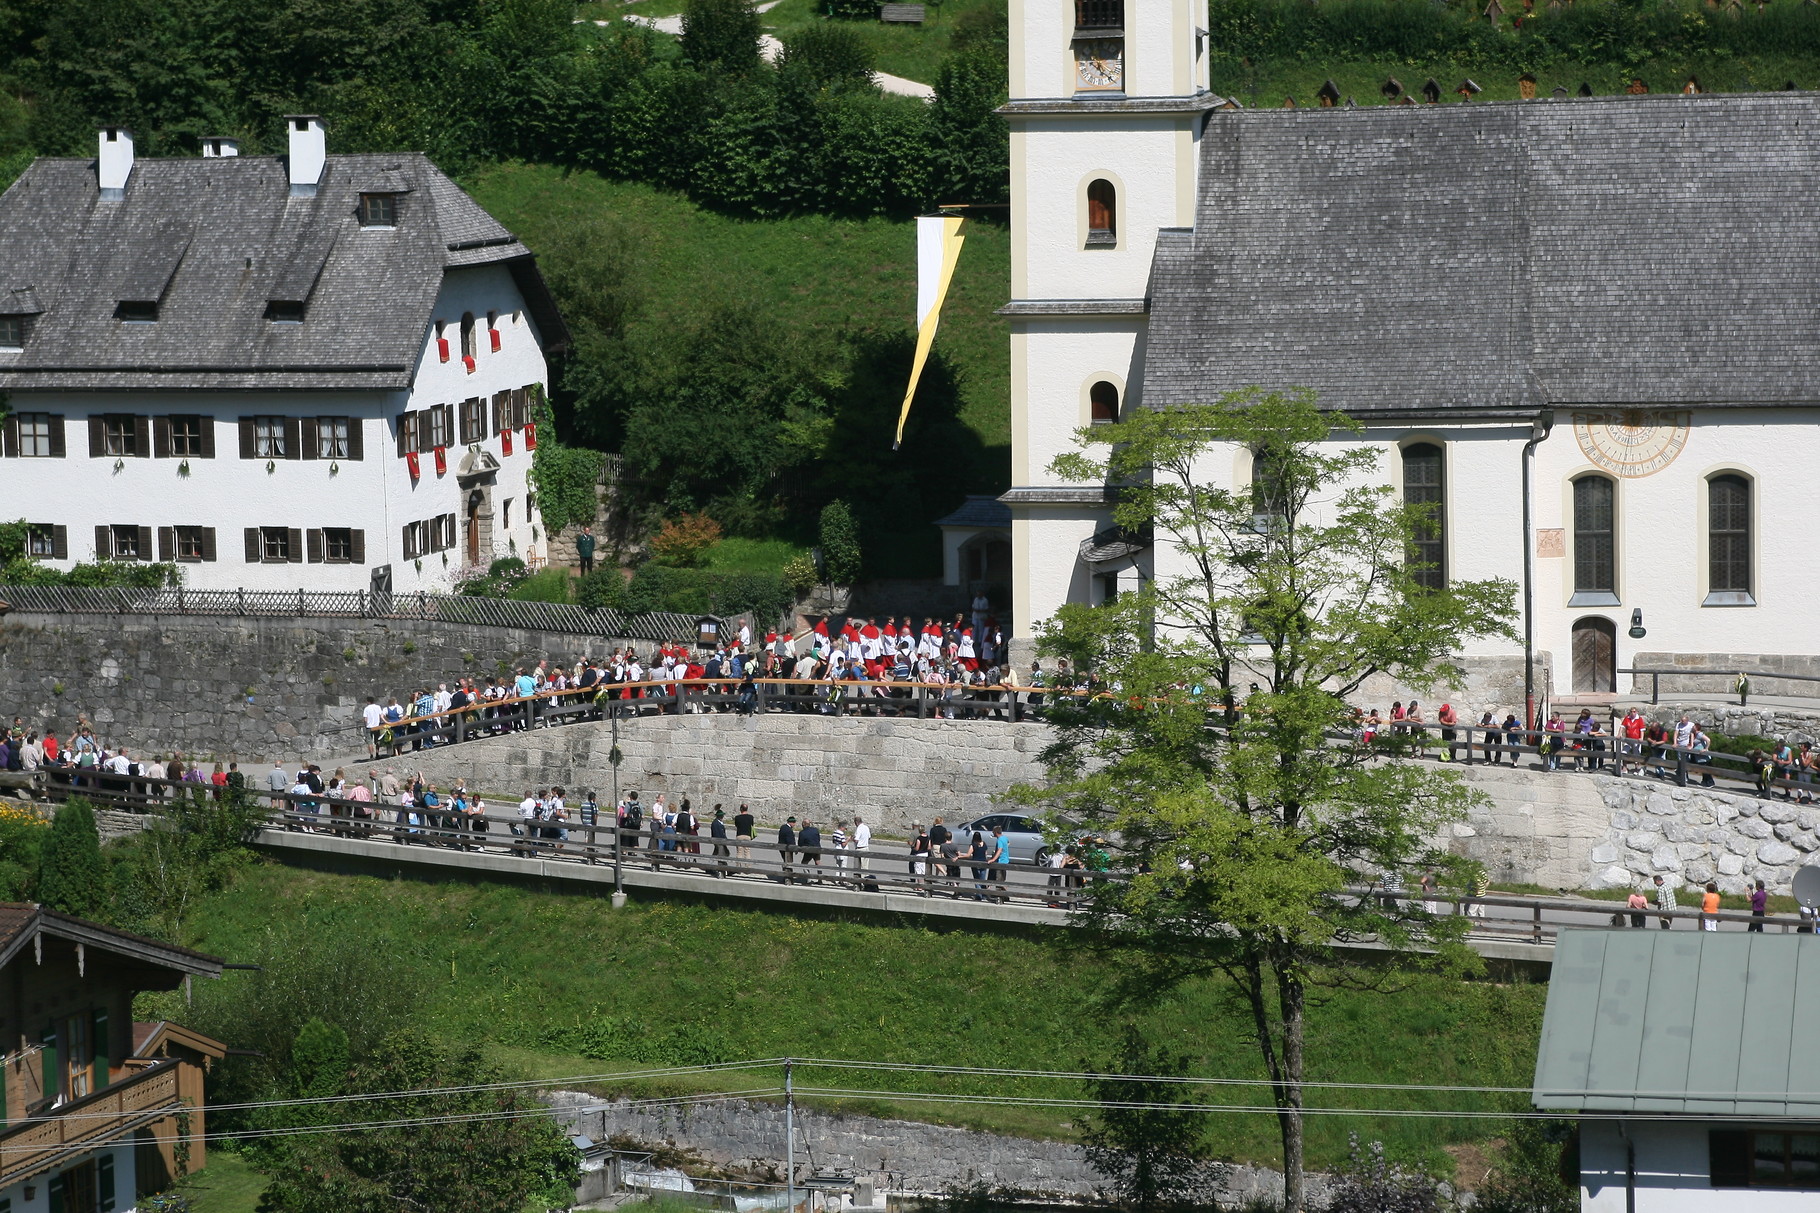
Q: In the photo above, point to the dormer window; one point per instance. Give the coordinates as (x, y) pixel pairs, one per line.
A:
(284, 311)
(136, 311)
(13, 332)
(379, 210)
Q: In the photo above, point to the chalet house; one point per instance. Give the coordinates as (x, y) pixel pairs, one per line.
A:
(1689, 1057)
(281, 372)
(95, 1111)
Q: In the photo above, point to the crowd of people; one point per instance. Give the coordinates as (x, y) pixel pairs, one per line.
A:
(861, 666)
(81, 757)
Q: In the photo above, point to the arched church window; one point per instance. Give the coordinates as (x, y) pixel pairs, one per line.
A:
(1103, 397)
(1102, 213)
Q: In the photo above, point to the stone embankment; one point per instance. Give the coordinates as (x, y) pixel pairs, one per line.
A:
(747, 1137)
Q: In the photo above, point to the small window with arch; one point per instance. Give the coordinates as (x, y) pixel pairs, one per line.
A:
(1102, 214)
(1103, 402)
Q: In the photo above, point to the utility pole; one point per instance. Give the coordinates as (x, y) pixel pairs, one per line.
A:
(789, 1139)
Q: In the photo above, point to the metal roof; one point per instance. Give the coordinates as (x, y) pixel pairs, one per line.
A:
(1694, 1022)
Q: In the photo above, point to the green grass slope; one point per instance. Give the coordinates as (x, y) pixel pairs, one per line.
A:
(826, 276)
(561, 985)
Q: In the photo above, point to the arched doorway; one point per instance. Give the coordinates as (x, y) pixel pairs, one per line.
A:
(1595, 654)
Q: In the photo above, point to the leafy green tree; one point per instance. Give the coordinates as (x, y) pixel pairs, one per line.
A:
(456, 1151)
(72, 876)
(1154, 1151)
(160, 874)
(841, 557)
(1246, 830)
(827, 56)
(969, 143)
(721, 34)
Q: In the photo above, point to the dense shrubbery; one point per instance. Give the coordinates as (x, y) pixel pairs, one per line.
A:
(659, 587)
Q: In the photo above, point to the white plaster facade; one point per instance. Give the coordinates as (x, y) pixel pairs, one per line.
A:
(1663, 1167)
(121, 1157)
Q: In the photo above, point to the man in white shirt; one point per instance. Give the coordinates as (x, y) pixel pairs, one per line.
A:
(370, 716)
(527, 813)
(861, 843)
(442, 697)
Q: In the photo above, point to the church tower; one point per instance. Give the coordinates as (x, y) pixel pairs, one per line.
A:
(1108, 99)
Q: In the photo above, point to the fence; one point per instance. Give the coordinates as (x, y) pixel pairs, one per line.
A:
(656, 626)
(1732, 682)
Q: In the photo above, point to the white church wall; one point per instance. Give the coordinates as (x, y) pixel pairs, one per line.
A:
(1064, 356)
(1052, 574)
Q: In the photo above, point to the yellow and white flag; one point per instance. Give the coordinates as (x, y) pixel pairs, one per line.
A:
(938, 248)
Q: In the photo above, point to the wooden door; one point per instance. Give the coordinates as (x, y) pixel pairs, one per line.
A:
(473, 529)
(1595, 655)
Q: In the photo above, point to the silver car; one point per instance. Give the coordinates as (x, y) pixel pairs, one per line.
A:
(1028, 844)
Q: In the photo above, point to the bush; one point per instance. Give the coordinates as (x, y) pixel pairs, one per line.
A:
(682, 542)
(1371, 1183)
(721, 34)
(840, 544)
(601, 590)
(547, 585)
(826, 55)
(799, 575)
(72, 877)
(501, 578)
(22, 834)
(660, 587)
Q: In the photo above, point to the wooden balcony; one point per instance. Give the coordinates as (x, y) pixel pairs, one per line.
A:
(46, 1140)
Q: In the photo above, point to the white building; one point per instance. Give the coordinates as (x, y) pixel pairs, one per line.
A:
(1685, 1054)
(1639, 271)
(282, 372)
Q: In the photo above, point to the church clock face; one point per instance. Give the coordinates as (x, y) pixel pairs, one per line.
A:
(1100, 64)
(1632, 442)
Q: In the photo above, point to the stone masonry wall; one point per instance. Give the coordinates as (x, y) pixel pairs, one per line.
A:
(1697, 835)
(904, 1155)
(214, 687)
(892, 772)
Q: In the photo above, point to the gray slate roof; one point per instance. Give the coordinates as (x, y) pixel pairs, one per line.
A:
(214, 240)
(1699, 1022)
(984, 511)
(1630, 250)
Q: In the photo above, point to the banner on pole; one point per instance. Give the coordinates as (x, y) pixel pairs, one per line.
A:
(938, 249)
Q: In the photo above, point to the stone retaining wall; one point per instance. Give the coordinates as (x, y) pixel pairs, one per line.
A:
(902, 1155)
(1696, 835)
(891, 772)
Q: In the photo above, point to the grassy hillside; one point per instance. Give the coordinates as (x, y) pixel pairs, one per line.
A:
(561, 985)
(823, 276)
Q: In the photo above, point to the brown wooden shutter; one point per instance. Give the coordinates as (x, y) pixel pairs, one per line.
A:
(208, 437)
(97, 436)
(161, 437)
(104, 542)
(409, 530)
(142, 437)
(60, 543)
(249, 448)
(314, 537)
(293, 439)
(208, 544)
(425, 430)
(167, 543)
(356, 440)
(255, 552)
(448, 424)
(407, 433)
(145, 543)
(57, 447)
(9, 438)
(357, 547)
(309, 436)
(294, 544)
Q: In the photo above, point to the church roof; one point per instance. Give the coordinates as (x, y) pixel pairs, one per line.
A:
(1473, 258)
(213, 242)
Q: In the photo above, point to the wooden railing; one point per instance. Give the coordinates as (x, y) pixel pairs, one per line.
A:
(41, 1142)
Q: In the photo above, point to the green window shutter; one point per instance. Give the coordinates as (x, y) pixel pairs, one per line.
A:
(55, 1191)
(53, 1077)
(99, 1035)
(104, 1182)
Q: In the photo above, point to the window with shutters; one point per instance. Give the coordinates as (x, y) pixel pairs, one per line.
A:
(124, 543)
(120, 434)
(268, 438)
(337, 544)
(1102, 213)
(437, 419)
(1595, 540)
(192, 543)
(13, 332)
(473, 419)
(1728, 541)
(332, 437)
(1424, 486)
(41, 540)
(35, 435)
(186, 437)
(274, 544)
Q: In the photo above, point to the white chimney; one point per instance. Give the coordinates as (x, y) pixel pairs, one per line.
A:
(308, 152)
(218, 146)
(115, 163)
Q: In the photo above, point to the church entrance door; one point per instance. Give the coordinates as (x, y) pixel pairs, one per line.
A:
(473, 530)
(1595, 655)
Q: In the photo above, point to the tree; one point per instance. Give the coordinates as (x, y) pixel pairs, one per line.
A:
(1151, 1149)
(1529, 1174)
(72, 877)
(457, 1151)
(721, 34)
(840, 544)
(1250, 837)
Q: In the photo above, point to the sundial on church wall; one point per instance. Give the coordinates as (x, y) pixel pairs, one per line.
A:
(1632, 442)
